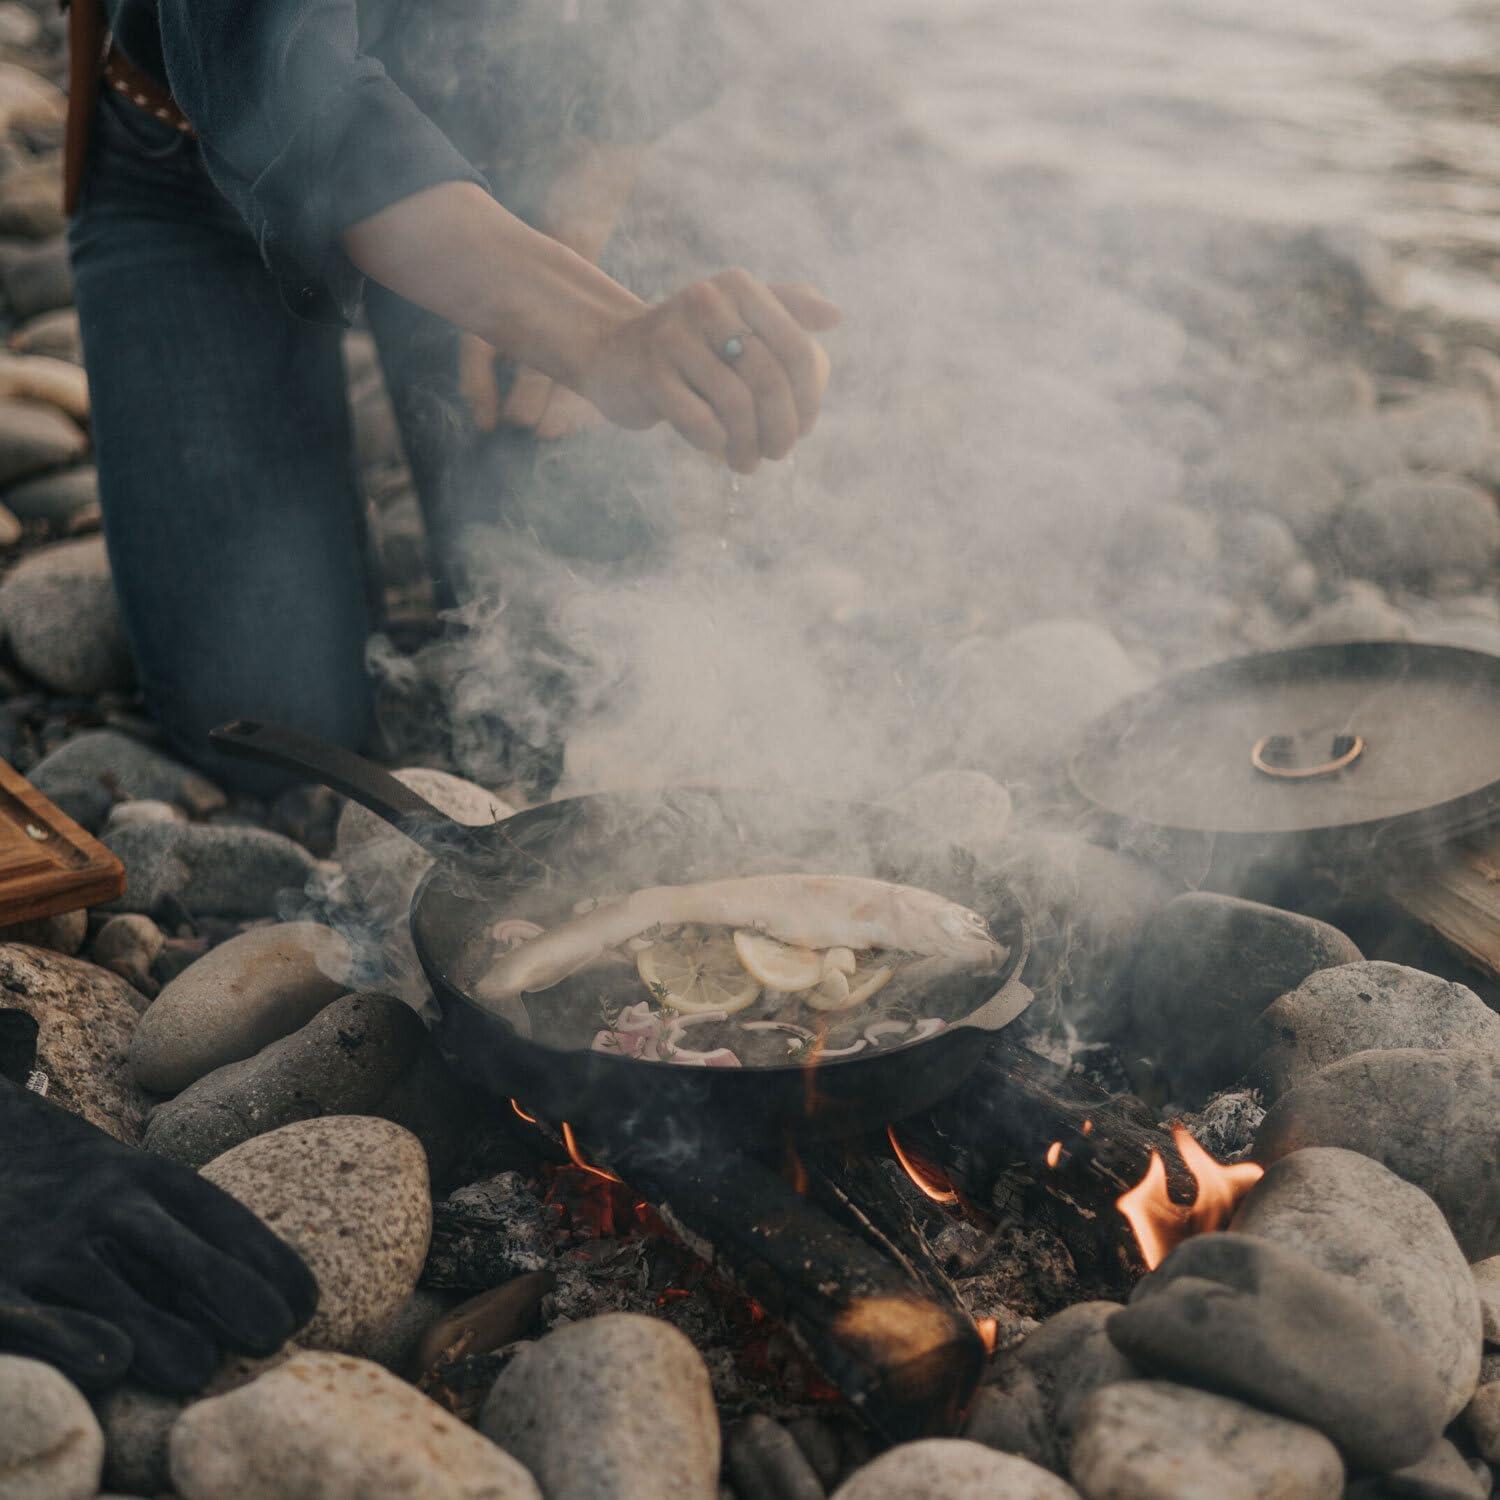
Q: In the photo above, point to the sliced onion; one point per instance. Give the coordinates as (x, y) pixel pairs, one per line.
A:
(928, 1026)
(514, 930)
(873, 1033)
(859, 1045)
(692, 1018)
(720, 1057)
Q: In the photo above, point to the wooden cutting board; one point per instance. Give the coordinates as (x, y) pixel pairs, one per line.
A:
(48, 864)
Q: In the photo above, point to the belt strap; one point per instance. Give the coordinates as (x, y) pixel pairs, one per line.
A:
(88, 35)
(142, 90)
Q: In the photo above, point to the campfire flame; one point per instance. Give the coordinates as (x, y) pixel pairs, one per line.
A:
(570, 1141)
(933, 1184)
(1159, 1224)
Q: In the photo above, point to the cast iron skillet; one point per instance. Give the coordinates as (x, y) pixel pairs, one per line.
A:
(537, 864)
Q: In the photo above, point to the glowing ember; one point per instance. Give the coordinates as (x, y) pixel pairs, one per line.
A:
(530, 1119)
(932, 1184)
(989, 1333)
(1159, 1224)
(1054, 1154)
(576, 1156)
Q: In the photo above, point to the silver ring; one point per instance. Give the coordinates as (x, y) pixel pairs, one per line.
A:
(734, 346)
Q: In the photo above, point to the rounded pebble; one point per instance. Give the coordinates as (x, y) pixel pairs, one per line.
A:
(51, 1445)
(952, 1469)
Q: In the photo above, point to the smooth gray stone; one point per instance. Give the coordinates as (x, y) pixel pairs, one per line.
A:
(214, 869)
(87, 1017)
(1353, 618)
(36, 438)
(1486, 1275)
(1256, 551)
(322, 1426)
(127, 945)
(1415, 528)
(820, 1446)
(1363, 1007)
(51, 1446)
(765, 1463)
(1446, 432)
(1440, 1474)
(55, 333)
(1431, 1117)
(1352, 1217)
(1483, 1419)
(1070, 1355)
(1275, 473)
(635, 1387)
(242, 996)
(37, 279)
(1251, 1319)
(396, 1342)
(1152, 1440)
(1163, 539)
(1205, 968)
(350, 1194)
(343, 1062)
(122, 766)
(952, 1469)
(55, 498)
(58, 610)
(63, 933)
(1012, 1418)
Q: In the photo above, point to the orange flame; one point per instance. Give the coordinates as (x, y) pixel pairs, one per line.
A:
(1054, 1154)
(1159, 1224)
(933, 1184)
(530, 1119)
(576, 1157)
(989, 1333)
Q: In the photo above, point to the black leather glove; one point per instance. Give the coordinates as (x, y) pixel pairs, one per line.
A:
(116, 1262)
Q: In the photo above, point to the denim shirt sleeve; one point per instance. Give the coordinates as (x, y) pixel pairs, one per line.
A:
(303, 133)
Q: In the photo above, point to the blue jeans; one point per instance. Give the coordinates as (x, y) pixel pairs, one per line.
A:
(232, 509)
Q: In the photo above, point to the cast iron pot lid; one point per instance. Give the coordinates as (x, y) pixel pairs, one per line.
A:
(1384, 739)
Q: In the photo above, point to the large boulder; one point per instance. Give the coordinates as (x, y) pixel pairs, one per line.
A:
(327, 1427)
(58, 611)
(214, 869)
(87, 1017)
(350, 1194)
(245, 994)
(1364, 1007)
(344, 1061)
(51, 1447)
(1204, 970)
(639, 1391)
(1430, 1117)
(1388, 1240)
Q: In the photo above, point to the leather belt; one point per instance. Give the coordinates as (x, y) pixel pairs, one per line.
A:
(122, 77)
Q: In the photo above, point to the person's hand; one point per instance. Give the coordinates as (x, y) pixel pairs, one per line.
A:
(727, 361)
(116, 1262)
(534, 403)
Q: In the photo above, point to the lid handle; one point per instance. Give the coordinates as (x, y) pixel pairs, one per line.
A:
(1275, 755)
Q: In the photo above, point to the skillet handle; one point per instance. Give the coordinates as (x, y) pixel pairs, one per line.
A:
(354, 777)
(1001, 1008)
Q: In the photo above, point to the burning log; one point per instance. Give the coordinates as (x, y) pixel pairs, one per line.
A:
(1024, 1137)
(906, 1361)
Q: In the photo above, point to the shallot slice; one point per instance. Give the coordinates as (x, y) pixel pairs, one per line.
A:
(928, 1026)
(859, 1045)
(720, 1057)
(513, 930)
(885, 1028)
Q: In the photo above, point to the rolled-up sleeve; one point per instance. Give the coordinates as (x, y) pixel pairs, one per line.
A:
(302, 132)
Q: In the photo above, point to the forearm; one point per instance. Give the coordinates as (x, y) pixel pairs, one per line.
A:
(455, 251)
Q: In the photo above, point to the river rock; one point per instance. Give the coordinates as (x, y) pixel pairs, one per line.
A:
(51, 1447)
(54, 333)
(395, 1344)
(1429, 1116)
(966, 808)
(1252, 1319)
(1019, 704)
(128, 945)
(765, 1463)
(1256, 551)
(1487, 1284)
(1362, 1007)
(351, 1194)
(1440, 1474)
(1281, 477)
(1352, 1217)
(1483, 1418)
(58, 610)
(63, 933)
(121, 766)
(37, 279)
(1148, 1439)
(87, 1017)
(56, 499)
(1443, 431)
(329, 1427)
(343, 1062)
(36, 438)
(147, 810)
(1355, 615)
(214, 869)
(1161, 539)
(952, 1469)
(1205, 968)
(1417, 528)
(635, 1390)
(244, 995)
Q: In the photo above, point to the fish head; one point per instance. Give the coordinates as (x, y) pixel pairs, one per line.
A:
(965, 935)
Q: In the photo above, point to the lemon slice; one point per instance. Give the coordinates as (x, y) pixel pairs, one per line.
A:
(693, 972)
(776, 965)
(843, 992)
